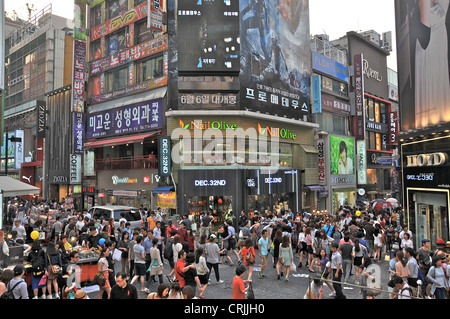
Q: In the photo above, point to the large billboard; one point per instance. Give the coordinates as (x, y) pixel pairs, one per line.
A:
(208, 35)
(275, 57)
(423, 31)
(342, 155)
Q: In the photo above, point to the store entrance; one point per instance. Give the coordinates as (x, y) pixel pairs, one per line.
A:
(219, 205)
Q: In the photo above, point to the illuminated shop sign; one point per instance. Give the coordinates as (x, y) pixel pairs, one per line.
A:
(435, 159)
(200, 125)
(210, 182)
(420, 177)
(123, 180)
(277, 132)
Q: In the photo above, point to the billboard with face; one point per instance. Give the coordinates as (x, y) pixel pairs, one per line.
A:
(275, 56)
(342, 155)
(423, 31)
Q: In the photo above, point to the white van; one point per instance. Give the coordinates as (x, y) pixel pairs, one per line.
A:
(132, 214)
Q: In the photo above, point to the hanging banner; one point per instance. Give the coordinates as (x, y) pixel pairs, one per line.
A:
(317, 94)
(79, 28)
(155, 14)
(79, 59)
(78, 133)
(360, 125)
(165, 159)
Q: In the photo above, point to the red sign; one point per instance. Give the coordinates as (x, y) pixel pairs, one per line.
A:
(122, 20)
(128, 55)
(101, 195)
(146, 179)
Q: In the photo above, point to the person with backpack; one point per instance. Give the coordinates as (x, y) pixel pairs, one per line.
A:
(36, 258)
(437, 274)
(249, 257)
(17, 287)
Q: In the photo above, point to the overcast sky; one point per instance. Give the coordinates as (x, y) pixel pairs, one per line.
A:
(332, 17)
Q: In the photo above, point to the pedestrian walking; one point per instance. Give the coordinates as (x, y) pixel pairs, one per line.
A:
(212, 251)
(263, 247)
(286, 256)
(36, 258)
(437, 275)
(156, 264)
(336, 267)
(122, 289)
(249, 256)
(202, 270)
(239, 287)
(104, 270)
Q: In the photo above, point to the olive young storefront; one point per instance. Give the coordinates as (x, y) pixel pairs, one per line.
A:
(266, 168)
(426, 189)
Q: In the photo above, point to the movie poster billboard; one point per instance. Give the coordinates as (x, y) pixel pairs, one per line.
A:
(275, 66)
(423, 33)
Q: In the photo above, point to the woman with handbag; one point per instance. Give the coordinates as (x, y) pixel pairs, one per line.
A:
(286, 256)
(156, 264)
(249, 257)
(37, 259)
(103, 272)
(54, 266)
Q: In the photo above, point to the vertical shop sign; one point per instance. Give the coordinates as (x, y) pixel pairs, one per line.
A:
(164, 156)
(79, 59)
(393, 128)
(321, 161)
(362, 162)
(80, 20)
(19, 152)
(78, 133)
(41, 118)
(75, 169)
(317, 94)
(360, 127)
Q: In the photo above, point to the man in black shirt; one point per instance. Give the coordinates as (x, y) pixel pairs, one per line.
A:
(123, 290)
(93, 238)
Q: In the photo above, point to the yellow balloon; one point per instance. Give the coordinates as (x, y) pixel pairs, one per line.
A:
(34, 234)
(358, 213)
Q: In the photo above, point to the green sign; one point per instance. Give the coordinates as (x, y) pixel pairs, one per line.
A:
(165, 160)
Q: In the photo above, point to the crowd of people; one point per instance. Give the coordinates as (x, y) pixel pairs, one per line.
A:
(330, 247)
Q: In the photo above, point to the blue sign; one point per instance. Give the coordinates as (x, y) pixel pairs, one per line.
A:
(317, 93)
(328, 66)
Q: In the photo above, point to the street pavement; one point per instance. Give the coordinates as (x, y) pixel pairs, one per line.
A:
(270, 287)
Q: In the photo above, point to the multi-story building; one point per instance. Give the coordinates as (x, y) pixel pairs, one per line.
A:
(333, 112)
(424, 106)
(374, 117)
(37, 54)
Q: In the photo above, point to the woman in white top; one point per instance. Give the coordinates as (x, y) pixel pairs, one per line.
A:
(406, 242)
(176, 248)
(103, 269)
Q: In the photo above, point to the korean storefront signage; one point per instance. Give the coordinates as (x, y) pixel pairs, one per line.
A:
(122, 20)
(155, 14)
(133, 89)
(393, 128)
(167, 200)
(335, 105)
(127, 119)
(360, 128)
(165, 160)
(321, 161)
(79, 59)
(128, 55)
(78, 133)
(199, 100)
(330, 67)
(317, 93)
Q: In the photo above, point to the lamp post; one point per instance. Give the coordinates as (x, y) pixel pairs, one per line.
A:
(13, 140)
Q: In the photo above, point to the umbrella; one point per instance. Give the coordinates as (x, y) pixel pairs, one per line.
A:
(393, 202)
(379, 205)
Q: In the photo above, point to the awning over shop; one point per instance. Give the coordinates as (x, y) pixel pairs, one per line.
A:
(166, 189)
(309, 149)
(128, 139)
(317, 188)
(12, 187)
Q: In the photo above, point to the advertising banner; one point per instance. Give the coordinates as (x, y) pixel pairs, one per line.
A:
(208, 36)
(362, 162)
(78, 90)
(360, 127)
(322, 162)
(129, 55)
(80, 20)
(393, 128)
(275, 57)
(342, 155)
(167, 200)
(128, 119)
(19, 151)
(119, 21)
(423, 53)
(335, 105)
(155, 15)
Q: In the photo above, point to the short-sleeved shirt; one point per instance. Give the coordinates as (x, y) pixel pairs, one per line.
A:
(238, 287)
(346, 251)
(336, 259)
(212, 253)
(264, 245)
(179, 273)
(138, 251)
